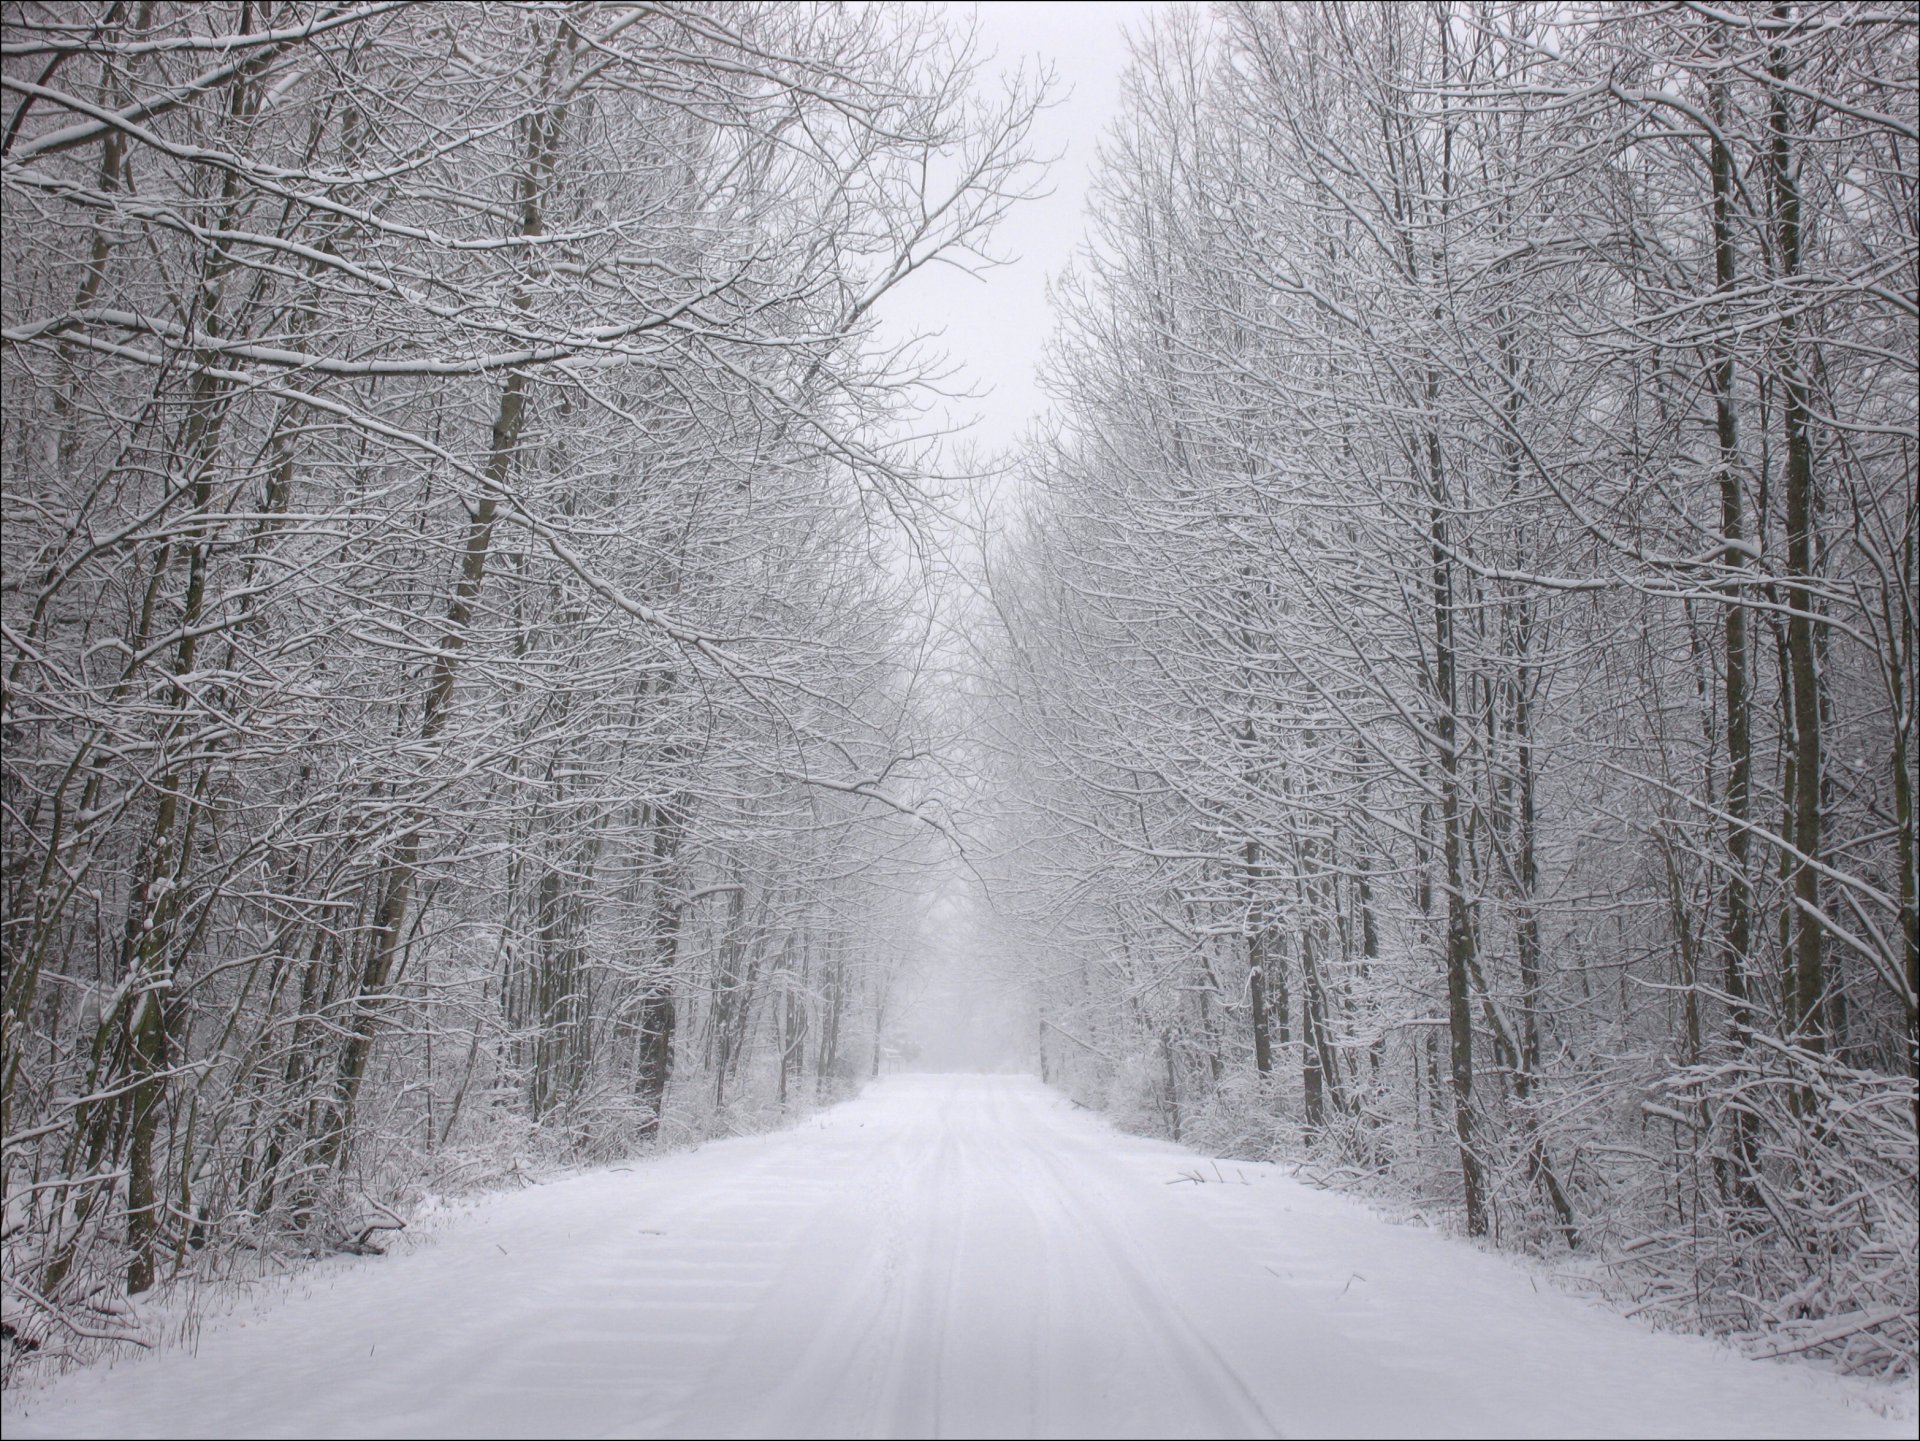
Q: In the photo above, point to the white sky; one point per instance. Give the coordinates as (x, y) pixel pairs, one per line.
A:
(994, 327)
(993, 330)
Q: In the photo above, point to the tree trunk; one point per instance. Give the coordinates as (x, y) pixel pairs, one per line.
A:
(1807, 1021)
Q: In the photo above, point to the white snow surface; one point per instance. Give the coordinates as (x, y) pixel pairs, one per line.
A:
(945, 1256)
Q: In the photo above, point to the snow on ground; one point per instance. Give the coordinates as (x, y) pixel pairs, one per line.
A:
(946, 1256)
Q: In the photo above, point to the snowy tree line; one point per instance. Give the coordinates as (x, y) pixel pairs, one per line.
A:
(463, 649)
(1451, 684)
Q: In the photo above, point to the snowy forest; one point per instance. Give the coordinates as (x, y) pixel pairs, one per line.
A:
(1452, 689)
(463, 667)
(502, 662)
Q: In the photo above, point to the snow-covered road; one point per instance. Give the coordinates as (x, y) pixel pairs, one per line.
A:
(946, 1256)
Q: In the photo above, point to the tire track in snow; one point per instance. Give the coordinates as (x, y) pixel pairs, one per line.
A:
(924, 1297)
(1083, 1196)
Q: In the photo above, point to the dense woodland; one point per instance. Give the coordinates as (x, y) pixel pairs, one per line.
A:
(463, 644)
(1453, 673)
(492, 678)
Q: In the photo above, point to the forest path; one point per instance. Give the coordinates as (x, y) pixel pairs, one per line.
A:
(947, 1255)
